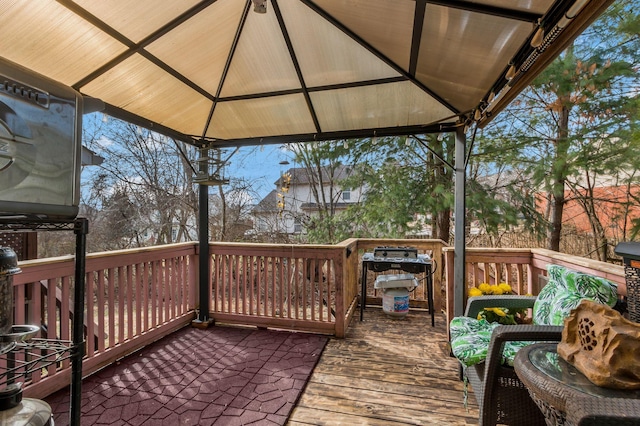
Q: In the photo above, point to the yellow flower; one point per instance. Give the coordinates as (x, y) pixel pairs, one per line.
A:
(475, 292)
(499, 312)
(506, 288)
(485, 288)
(496, 290)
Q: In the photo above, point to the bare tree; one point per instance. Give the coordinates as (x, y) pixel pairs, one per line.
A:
(143, 188)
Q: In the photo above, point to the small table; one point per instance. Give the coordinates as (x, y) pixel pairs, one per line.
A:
(407, 264)
(560, 390)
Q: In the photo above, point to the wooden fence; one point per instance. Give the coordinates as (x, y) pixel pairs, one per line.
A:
(133, 297)
(523, 269)
(298, 287)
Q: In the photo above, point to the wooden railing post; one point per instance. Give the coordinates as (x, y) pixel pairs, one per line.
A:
(449, 277)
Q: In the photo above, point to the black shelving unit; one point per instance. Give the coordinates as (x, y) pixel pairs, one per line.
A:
(54, 351)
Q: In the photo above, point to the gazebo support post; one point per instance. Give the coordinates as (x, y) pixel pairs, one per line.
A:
(460, 219)
(203, 320)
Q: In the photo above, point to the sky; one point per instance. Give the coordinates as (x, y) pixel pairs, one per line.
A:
(259, 166)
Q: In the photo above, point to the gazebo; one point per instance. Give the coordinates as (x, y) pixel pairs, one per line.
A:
(222, 73)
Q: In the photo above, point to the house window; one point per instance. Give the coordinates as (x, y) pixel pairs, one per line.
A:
(297, 225)
(346, 194)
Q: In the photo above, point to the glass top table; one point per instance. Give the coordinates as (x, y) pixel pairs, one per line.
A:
(553, 383)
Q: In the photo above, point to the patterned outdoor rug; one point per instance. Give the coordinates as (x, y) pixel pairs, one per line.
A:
(219, 376)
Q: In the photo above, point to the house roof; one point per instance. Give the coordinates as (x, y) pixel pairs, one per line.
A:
(268, 204)
(302, 176)
(305, 70)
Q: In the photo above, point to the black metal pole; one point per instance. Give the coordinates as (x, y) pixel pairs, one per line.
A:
(81, 228)
(459, 226)
(203, 256)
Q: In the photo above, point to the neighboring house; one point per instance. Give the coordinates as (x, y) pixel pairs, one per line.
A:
(299, 195)
(616, 208)
(265, 214)
(614, 204)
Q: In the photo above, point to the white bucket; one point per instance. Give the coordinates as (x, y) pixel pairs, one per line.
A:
(395, 302)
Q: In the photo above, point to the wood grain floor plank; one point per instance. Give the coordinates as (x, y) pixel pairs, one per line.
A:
(386, 372)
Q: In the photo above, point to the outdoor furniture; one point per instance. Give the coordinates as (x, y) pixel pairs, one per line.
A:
(566, 397)
(502, 397)
(486, 351)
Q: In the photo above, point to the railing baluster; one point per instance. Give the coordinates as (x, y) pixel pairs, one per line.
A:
(159, 285)
(166, 285)
(168, 291)
(320, 280)
(245, 278)
(122, 288)
(65, 330)
(180, 278)
(130, 313)
(145, 295)
(111, 318)
(296, 286)
(253, 261)
(305, 274)
(154, 293)
(36, 317)
(520, 279)
(226, 289)
(52, 321)
(289, 277)
(138, 280)
(101, 311)
(236, 264)
(216, 282)
(281, 285)
(259, 283)
(20, 304)
(264, 287)
(313, 282)
(330, 280)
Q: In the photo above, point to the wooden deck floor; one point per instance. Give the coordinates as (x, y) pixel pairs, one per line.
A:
(386, 372)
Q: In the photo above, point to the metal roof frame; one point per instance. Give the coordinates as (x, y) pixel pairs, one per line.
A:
(439, 100)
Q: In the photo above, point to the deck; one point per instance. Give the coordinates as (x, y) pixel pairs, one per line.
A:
(386, 372)
(382, 372)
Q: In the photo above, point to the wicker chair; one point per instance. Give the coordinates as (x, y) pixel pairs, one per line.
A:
(502, 397)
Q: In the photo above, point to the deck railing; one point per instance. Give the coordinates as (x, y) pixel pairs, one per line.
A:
(299, 287)
(134, 297)
(524, 269)
(302, 287)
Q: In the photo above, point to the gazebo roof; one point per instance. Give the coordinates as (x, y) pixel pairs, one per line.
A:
(304, 70)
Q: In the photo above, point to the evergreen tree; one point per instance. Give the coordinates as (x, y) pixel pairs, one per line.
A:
(577, 120)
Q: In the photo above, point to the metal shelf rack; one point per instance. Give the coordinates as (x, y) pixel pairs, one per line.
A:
(26, 358)
(74, 349)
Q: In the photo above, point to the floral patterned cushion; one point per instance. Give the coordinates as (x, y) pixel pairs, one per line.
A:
(542, 308)
(470, 341)
(565, 290)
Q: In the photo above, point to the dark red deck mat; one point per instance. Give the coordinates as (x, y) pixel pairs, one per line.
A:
(219, 376)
